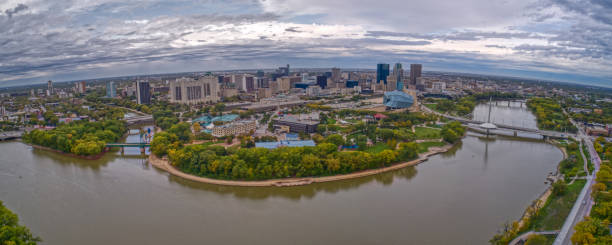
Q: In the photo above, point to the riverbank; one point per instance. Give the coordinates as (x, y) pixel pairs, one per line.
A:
(164, 164)
(92, 157)
(543, 198)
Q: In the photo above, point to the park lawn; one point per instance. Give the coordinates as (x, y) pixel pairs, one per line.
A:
(555, 210)
(378, 147)
(427, 133)
(433, 107)
(207, 143)
(424, 147)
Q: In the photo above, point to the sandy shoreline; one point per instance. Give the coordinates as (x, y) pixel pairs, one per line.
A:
(165, 165)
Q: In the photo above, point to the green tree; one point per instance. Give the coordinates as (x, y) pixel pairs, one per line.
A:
(182, 131)
(535, 239)
(335, 139)
(11, 233)
(586, 231)
(559, 187)
(408, 151)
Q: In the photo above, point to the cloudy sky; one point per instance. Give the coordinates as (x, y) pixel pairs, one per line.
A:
(564, 40)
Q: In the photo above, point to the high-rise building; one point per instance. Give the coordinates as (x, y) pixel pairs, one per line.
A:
(262, 82)
(382, 71)
(194, 91)
(283, 71)
(50, 87)
(143, 92)
(111, 89)
(415, 72)
(335, 75)
(322, 81)
(286, 83)
(249, 83)
(79, 87)
(398, 74)
(260, 73)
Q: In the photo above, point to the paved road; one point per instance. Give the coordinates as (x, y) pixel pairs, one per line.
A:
(584, 203)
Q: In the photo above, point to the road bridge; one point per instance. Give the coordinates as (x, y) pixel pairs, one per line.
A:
(139, 119)
(10, 135)
(142, 146)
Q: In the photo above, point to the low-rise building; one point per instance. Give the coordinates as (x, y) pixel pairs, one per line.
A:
(297, 125)
(597, 131)
(234, 128)
(285, 143)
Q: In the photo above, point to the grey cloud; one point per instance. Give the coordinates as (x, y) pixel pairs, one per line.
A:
(20, 7)
(495, 46)
(466, 35)
(39, 42)
(292, 29)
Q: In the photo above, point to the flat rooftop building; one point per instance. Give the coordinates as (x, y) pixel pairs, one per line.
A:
(296, 125)
(194, 91)
(285, 143)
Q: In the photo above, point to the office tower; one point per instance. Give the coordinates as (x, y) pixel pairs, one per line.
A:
(249, 84)
(143, 92)
(382, 71)
(283, 71)
(50, 87)
(79, 87)
(322, 81)
(111, 89)
(194, 91)
(262, 82)
(415, 72)
(398, 74)
(335, 75)
(260, 73)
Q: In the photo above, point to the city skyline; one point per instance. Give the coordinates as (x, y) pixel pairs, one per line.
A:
(556, 40)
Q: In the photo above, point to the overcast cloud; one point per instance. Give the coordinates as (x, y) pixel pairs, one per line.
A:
(565, 40)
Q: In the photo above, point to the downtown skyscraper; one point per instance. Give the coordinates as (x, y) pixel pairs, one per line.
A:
(415, 72)
(382, 71)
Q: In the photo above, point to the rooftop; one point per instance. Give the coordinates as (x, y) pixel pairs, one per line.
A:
(283, 143)
(208, 119)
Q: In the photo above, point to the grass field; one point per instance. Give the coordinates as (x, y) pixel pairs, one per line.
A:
(378, 147)
(423, 147)
(426, 133)
(555, 210)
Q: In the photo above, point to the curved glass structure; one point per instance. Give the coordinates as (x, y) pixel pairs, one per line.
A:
(397, 100)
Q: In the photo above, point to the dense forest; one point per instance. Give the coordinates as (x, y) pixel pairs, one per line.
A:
(550, 115)
(326, 158)
(80, 137)
(262, 163)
